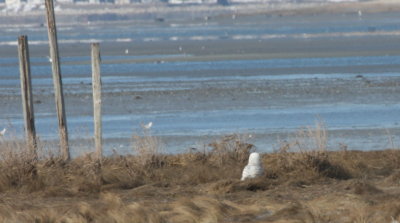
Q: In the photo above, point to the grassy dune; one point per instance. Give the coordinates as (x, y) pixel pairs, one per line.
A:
(303, 182)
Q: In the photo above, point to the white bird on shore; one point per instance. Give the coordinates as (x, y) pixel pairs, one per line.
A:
(3, 132)
(50, 60)
(126, 51)
(148, 125)
(253, 168)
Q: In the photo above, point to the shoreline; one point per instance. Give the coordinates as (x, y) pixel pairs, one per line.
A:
(138, 13)
(262, 92)
(196, 89)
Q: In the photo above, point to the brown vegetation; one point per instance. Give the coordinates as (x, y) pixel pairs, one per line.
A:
(309, 184)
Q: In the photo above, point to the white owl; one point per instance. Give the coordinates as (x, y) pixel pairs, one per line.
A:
(253, 168)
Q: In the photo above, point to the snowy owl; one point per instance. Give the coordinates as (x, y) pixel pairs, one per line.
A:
(253, 168)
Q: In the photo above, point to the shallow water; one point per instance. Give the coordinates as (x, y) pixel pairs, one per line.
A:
(192, 98)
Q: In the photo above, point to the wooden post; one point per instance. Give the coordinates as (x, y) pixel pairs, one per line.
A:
(96, 83)
(26, 93)
(58, 91)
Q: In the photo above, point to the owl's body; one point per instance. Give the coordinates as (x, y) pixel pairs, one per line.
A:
(253, 168)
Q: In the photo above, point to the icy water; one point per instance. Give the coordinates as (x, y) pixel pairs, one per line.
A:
(197, 81)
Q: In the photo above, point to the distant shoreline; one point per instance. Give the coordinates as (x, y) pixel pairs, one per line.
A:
(158, 12)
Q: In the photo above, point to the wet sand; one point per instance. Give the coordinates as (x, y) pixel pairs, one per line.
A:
(286, 88)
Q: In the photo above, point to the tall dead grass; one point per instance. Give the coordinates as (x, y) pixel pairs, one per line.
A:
(149, 148)
(85, 174)
(305, 157)
(304, 160)
(231, 148)
(17, 165)
(193, 187)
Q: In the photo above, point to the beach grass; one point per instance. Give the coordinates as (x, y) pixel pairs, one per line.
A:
(303, 182)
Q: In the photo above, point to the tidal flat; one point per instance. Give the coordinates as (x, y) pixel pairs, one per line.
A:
(261, 76)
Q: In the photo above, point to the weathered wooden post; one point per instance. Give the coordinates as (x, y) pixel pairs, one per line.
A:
(96, 84)
(58, 91)
(26, 93)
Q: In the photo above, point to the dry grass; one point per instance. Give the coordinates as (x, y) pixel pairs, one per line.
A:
(303, 182)
(149, 148)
